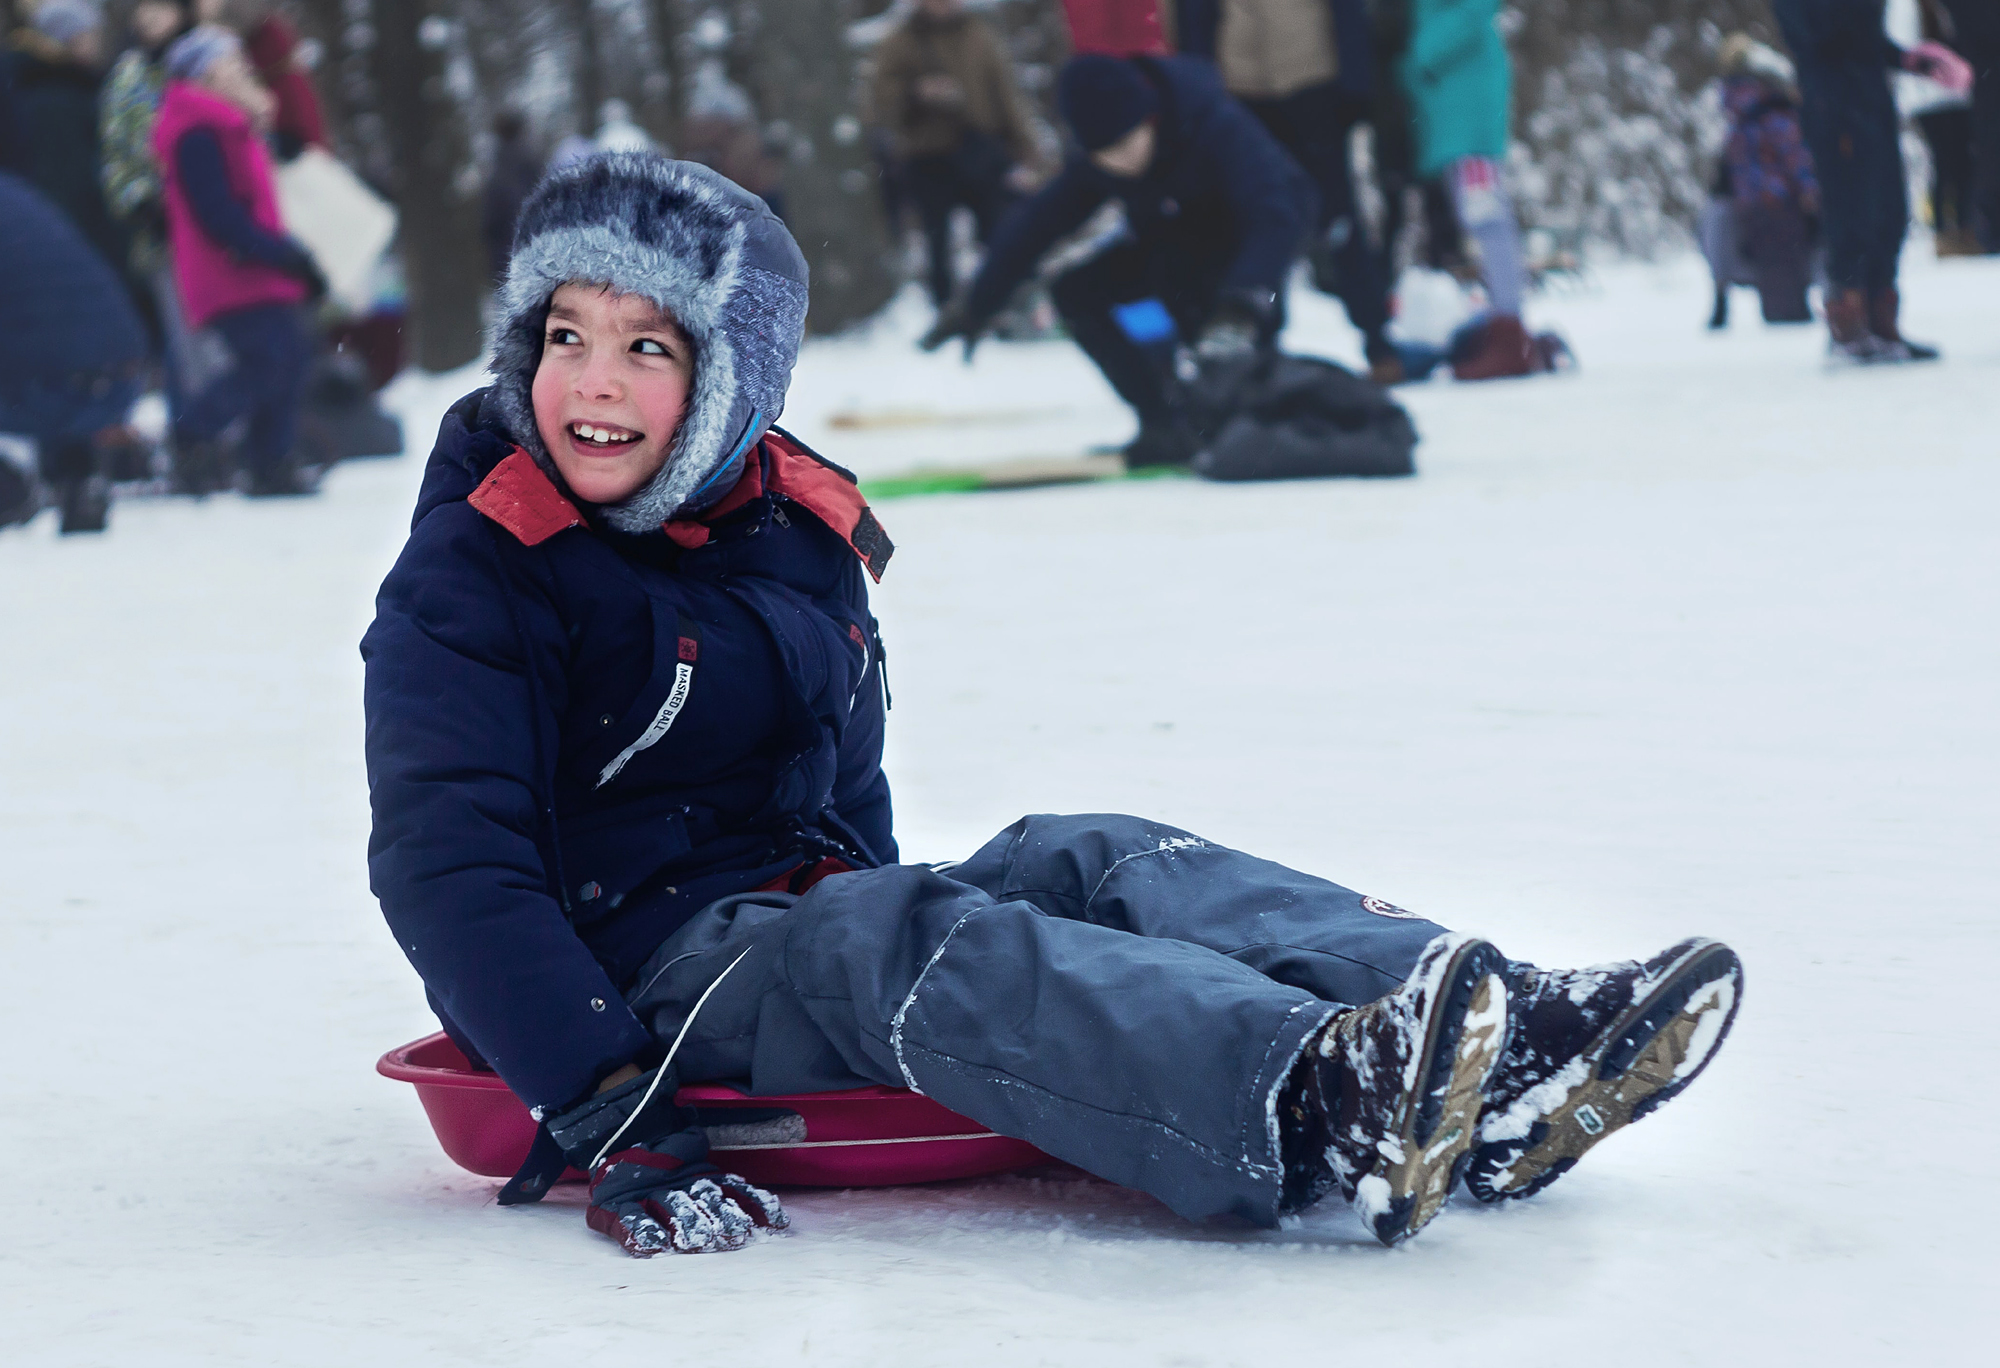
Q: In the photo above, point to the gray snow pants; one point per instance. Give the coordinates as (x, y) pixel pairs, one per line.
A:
(1121, 994)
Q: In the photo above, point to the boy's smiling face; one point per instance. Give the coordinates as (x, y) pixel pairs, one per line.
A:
(611, 389)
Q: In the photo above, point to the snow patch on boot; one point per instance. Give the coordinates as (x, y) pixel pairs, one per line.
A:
(1714, 1006)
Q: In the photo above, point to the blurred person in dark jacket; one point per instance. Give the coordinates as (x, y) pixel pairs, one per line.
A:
(1305, 68)
(721, 133)
(516, 168)
(946, 94)
(1215, 214)
(1976, 35)
(1852, 126)
(49, 81)
(1944, 117)
(71, 351)
(1394, 150)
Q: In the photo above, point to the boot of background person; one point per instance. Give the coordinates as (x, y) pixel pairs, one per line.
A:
(1166, 441)
(1959, 242)
(1848, 337)
(1504, 350)
(1719, 319)
(1883, 307)
(285, 479)
(20, 496)
(85, 504)
(83, 495)
(1385, 363)
(202, 467)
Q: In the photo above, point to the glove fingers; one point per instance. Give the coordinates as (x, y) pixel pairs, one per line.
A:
(761, 1206)
(733, 1221)
(694, 1230)
(633, 1226)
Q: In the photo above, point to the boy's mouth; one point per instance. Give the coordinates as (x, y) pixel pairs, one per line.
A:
(603, 436)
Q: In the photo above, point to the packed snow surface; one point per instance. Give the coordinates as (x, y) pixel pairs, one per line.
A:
(1699, 639)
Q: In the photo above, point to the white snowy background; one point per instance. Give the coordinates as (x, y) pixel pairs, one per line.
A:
(1701, 638)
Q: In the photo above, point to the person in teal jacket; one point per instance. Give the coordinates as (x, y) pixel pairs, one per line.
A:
(1460, 82)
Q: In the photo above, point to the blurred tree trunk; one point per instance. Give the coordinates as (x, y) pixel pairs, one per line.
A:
(436, 182)
(667, 22)
(802, 76)
(589, 69)
(325, 21)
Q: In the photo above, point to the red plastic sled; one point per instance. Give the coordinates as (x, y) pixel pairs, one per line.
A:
(864, 1137)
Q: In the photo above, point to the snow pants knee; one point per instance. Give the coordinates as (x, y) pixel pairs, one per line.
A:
(1121, 994)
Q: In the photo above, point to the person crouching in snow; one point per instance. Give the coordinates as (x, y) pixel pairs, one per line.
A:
(625, 713)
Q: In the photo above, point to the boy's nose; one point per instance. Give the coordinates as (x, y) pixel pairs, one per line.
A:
(599, 378)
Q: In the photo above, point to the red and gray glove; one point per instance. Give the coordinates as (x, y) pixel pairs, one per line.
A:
(651, 1201)
(656, 1193)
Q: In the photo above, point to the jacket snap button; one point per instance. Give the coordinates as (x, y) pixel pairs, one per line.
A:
(597, 1004)
(590, 891)
(604, 721)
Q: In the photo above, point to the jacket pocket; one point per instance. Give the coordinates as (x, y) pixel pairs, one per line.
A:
(607, 855)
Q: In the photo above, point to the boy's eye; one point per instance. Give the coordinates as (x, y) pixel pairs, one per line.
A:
(647, 346)
(563, 337)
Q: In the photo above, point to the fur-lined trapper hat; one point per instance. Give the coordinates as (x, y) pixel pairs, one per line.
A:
(705, 250)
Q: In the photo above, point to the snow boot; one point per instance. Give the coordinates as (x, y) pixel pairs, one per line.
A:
(285, 479)
(1162, 442)
(20, 498)
(85, 504)
(1719, 319)
(1549, 354)
(1385, 363)
(1883, 307)
(1384, 1103)
(1848, 339)
(82, 494)
(1592, 1051)
(202, 468)
(1503, 350)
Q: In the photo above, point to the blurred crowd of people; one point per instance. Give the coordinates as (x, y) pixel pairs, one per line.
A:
(1224, 129)
(144, 237)
(151, 186)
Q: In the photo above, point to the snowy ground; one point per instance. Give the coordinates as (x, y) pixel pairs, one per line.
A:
(1699, 639)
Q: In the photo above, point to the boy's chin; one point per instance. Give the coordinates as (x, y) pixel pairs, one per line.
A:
(603, 482)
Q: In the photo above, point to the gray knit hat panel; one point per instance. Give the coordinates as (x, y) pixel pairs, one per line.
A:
(698, 246)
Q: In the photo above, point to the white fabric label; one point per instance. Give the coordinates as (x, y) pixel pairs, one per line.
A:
(664, 719)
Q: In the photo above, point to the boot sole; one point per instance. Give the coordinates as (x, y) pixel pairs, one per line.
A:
(1463, 1040)
(1644, 1059)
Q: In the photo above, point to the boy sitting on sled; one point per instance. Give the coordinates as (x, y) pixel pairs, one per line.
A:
(625, 719)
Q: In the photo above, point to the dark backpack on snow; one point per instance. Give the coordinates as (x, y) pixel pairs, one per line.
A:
(1297, 417)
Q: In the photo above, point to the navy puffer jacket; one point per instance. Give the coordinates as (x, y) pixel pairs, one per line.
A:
(577, 738)
(586, 722)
